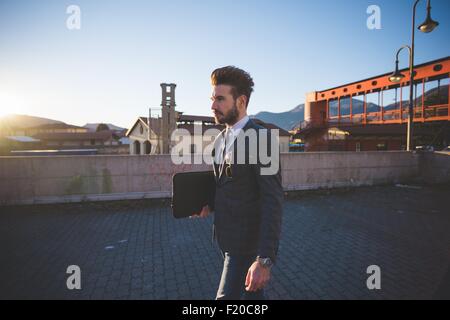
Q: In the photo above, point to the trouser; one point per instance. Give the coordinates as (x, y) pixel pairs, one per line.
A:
(232, 282)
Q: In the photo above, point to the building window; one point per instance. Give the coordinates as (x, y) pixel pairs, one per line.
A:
(436, 92)
(418, 92)
(373, 102)
(358, 104)
(193, 149)
(404, 101)
(141, 129)
(390, 103)
(333, 108)
(358, 146)
(345, 106)
(92, 142)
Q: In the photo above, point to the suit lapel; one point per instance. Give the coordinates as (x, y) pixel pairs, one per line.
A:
(216, 166)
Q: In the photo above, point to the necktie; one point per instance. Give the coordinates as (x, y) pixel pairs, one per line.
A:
(226, 142)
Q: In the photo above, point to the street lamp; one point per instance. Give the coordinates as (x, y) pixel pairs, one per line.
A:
(427, 26)
(397, 76)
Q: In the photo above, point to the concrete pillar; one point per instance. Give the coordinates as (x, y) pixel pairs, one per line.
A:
(310, 98)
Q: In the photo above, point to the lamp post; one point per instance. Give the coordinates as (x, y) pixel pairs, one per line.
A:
(427, 26)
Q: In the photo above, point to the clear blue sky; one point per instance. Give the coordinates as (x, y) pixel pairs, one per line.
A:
(110, 69)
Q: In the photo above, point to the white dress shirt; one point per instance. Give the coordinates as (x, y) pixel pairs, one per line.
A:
(231, 134)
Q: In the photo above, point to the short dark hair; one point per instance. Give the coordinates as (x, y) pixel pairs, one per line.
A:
(240, 80)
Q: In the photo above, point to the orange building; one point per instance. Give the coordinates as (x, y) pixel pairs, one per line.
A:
(372, 114)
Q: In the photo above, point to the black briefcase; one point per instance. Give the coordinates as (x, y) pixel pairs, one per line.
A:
(191, 191)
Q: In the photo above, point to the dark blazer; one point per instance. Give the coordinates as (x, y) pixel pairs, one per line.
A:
(248, 206)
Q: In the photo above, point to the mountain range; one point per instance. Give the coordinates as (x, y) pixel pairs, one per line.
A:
(21, 121)
(286, 120)
(18, 121)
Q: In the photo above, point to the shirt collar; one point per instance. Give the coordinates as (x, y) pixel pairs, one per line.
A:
(239, 125)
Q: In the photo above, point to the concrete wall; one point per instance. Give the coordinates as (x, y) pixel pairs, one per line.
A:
(27, 180)
(313, 170)
(435, 167)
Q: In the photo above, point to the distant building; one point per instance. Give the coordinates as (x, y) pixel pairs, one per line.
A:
(153, 135)
(372, 114)
(284, 136)
(62, 136)
(59, 136)
(8, 143)
(85, 139)
(144, 142)
(54, 128)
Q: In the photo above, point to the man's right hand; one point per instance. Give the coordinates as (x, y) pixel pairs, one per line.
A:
(203, 214)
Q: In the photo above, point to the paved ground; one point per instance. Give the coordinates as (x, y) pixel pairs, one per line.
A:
(136, 250)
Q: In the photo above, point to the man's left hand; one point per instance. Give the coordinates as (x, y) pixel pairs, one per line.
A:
(257, 277)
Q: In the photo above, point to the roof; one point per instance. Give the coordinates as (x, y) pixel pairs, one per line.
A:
(56, 126)
(191, 127)
(267, 125)
(102, 135)
(388, 73)
(189, 118)
(22, 139)
(155, 125)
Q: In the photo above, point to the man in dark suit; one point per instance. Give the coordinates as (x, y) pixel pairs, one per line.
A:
(249, 194)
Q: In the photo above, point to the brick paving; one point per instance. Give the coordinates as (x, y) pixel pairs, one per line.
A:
(137, 250)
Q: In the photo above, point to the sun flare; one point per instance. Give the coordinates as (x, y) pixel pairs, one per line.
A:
(10, 104)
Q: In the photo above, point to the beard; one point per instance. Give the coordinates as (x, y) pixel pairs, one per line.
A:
(229, 118)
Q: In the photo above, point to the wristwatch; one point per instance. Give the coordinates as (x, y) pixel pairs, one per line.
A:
(265, 262)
